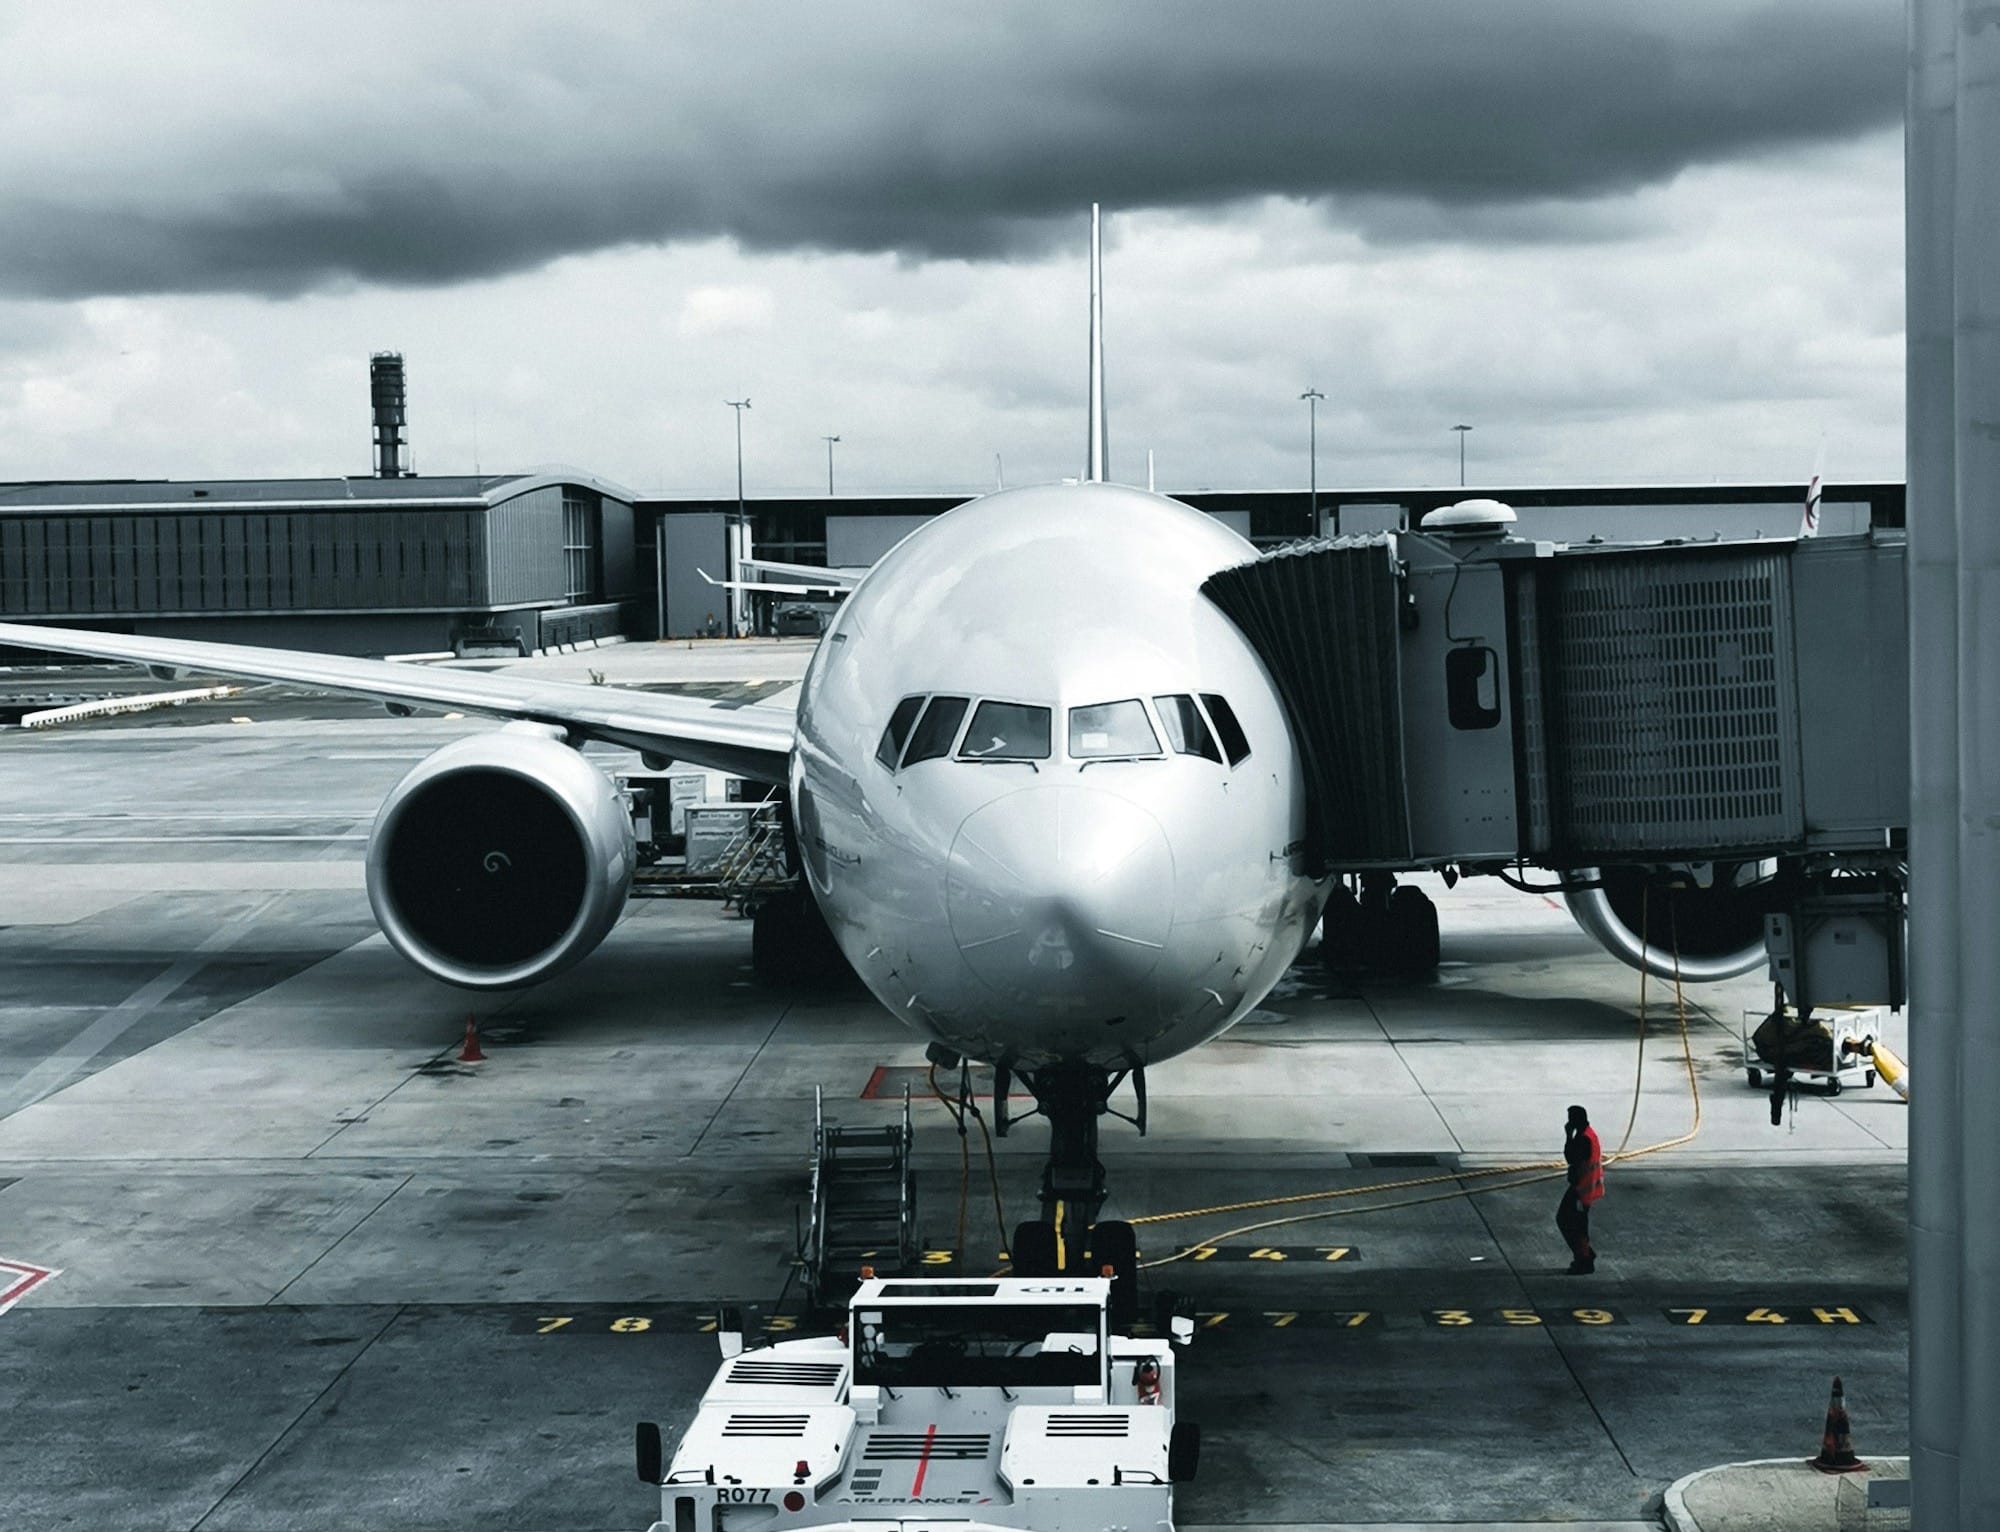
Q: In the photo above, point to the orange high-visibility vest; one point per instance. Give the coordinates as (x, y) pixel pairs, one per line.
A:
(1591, 1187)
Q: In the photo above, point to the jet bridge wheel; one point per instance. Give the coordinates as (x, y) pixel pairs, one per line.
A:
(1413, 931)
(1340, 931)
(1388, 929)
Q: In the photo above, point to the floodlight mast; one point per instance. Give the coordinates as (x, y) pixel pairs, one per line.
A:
(739, 541)
(1312, 397)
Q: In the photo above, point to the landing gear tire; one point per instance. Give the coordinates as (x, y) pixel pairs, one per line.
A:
(1034, 1250)
(1413, 931)
(1116, 1244)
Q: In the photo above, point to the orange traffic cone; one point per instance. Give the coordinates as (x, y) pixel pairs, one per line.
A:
(1836, 1447)
(470, 1053)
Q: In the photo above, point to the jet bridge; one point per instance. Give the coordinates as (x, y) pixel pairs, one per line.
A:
(1467, 699)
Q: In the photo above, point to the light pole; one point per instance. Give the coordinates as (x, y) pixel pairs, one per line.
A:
(829, 440)
(1461, 430)
(1312, 397)
(737, 550)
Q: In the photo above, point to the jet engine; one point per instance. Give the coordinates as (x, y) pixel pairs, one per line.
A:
(1717, 931)
(501, 859)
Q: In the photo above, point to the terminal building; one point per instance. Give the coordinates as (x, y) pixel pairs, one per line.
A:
(517, 563)
(402, 565)
(683, 538)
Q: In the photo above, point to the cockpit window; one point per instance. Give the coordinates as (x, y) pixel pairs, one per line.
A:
(1235, 744)
(1188, 732)
(897, 734)
(1007, 731)
(1111, 729)
(936, 730)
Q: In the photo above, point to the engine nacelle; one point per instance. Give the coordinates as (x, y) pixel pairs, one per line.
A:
(1718, 931)
(501, 860)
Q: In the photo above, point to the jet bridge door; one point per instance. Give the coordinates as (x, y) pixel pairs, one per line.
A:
(1323, 616)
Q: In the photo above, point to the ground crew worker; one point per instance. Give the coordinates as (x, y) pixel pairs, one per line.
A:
(1584, 1157)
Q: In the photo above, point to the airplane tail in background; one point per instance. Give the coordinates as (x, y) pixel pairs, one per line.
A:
(1809, 523)
(1097, 459)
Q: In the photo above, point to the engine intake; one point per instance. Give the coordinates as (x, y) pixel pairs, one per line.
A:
(1718, 931)
(500, 860)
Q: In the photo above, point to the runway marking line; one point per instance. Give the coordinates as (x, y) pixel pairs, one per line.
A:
(1442, 1321)
(20, 1278)
(1297, 1254)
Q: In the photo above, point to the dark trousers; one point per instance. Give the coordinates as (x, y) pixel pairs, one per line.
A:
(1573, 1221)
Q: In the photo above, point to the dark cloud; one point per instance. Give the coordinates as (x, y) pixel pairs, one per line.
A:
(275, 151)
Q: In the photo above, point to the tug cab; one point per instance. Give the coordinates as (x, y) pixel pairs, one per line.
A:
(1007, 1403)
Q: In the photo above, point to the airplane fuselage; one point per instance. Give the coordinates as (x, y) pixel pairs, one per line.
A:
(1046, 795)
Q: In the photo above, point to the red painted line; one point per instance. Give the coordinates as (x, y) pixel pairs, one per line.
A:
(868, 1092)
(924, 1462)
(26, 1279)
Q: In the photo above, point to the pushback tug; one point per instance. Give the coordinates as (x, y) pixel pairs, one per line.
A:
(1007, 1403)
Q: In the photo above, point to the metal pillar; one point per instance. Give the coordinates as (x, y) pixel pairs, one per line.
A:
(1953, 265)
(1976, 410)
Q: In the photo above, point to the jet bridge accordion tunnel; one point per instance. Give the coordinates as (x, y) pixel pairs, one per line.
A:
(1734, 715)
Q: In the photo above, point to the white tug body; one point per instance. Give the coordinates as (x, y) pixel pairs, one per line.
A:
(960, 1405)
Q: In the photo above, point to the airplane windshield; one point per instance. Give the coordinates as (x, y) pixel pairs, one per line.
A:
(1187, 731)
(1007, 731)
(1111, 729)
(937, 729)
(897, 734)
(1235, 743)
(977, 1345)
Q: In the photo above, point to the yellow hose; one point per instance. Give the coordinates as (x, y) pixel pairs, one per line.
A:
(1893, 1072)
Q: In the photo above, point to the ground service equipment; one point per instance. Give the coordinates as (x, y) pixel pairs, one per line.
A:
(864, 1204)
(1007, 1403)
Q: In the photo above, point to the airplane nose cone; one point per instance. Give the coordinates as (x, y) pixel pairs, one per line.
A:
(1061, 897)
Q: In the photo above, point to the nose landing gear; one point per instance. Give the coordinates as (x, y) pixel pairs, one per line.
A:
(1067, 1240)
(1386, 928)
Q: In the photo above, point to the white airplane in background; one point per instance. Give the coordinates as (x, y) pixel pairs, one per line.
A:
(1043, 792)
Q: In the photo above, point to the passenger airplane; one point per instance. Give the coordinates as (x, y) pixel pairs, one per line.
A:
(1043, 791)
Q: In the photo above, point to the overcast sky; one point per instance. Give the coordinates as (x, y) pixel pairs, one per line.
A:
(1625, 242)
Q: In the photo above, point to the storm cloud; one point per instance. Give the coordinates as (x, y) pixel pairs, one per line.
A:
(275, 151)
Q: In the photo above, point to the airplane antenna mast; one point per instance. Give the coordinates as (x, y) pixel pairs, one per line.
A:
(1099, 464)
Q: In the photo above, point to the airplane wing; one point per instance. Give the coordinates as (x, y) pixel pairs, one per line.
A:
(766, 588)
(751, 742)
(815, 576)
(794, 579)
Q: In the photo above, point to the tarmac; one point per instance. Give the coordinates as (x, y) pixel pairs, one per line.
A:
(313, 1271)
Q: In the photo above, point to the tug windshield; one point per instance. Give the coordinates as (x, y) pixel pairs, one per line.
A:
(978, 1346)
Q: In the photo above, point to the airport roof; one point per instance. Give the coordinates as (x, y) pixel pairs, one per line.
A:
(293, 494)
